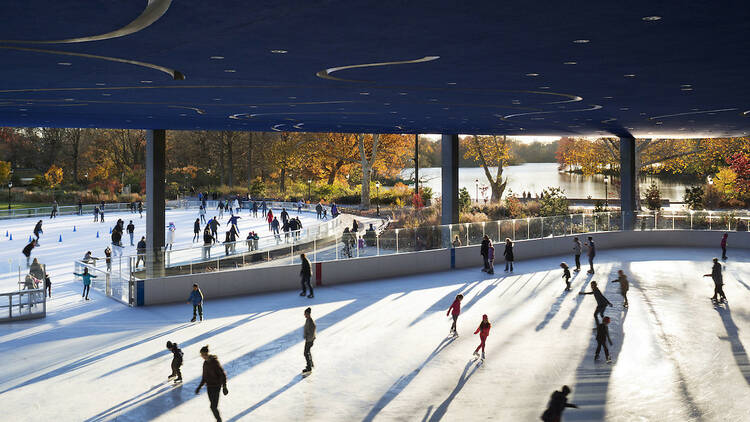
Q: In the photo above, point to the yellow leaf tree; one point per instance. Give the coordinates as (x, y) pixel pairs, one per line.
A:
(4, 172)
(53, 176)
(490, 151)
(724, 181)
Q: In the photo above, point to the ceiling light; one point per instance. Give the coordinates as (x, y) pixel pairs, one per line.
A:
(629, 75)
(23, 109)
(651, 18)
(364, 93)
(686, 89)
(543, 87)
(229, 71)
(401, 93)
(183, 114)
(64, 63)
(516, 102)
(581, 41)
(106, 94)
(685, 86)
(386, 104)
(570, 63)
(451, 83)
(433, 99)
(69, 99)
(532, 74)
(217, 99)
(100, 84)
(608, 97)
(146, 82)
(217, 57)
(624, 109)
(278, 51)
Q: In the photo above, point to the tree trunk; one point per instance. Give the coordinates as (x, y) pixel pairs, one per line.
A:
(367, 164)
(334, 171)
(365, 199)
(282, 182)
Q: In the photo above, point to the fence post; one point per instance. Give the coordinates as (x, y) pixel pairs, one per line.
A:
(594, 217)
(514, 230)
(377, 243)
(542, 223)
(19, 277)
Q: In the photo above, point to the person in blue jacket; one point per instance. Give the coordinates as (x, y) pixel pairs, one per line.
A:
(196, 299)
(86, 276)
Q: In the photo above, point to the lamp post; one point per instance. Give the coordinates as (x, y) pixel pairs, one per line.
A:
(476, 190)
(606, 193)
(309, 185)
(377, 198)
(10, 185)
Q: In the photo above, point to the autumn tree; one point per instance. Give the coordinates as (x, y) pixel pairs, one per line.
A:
(490, 151)
(53, 176)
(5, 167)
(740, 164)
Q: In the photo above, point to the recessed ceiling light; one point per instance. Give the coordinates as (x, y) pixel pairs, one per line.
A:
(532, 74)
(629, 75)
(659, 123)
(401, 93)
(146, 82)
(608, 98)
(278, 51)
(183, 114)
(69, 99)
(386, 104)
(149, 117)
(451, 83)
(106, 94)
(100, 84)
(581, 41)
(685, 86)
(229, 71)
(64, 63)
(217, 99)
(364, 93)
(651, 18)
(686, 89)
(292, 98)
(217, 57)
(570, 63)
(543, 87)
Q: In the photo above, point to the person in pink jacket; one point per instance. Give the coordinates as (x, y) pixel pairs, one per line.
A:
(484, 332)
(455, 311)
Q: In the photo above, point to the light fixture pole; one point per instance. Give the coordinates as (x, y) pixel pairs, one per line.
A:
(309, 185)
(606, 193)
(10, 185)
(377, 198)
(476, 190)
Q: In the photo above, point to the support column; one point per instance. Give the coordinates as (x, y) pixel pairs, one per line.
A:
(450, 179)
(416, 164)
(627, 182)
(155, 181)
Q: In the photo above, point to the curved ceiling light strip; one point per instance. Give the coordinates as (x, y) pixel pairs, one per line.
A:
(610, 120)
(276, 127)
(252, 115)
(591, 108)
(195, 109)
(175, 74)
(326, 73)
(746, 113)
(153, 11)
(298, 125)
(692, 112)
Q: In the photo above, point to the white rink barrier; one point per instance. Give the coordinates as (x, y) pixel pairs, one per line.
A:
(287, 277)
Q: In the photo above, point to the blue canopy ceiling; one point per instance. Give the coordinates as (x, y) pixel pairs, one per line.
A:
(587, 67)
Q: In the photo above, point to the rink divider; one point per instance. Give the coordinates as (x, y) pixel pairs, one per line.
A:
(287, 277)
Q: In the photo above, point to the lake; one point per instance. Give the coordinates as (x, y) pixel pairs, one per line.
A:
(533, 177)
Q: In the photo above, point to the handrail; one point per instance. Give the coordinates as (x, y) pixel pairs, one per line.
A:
(62, 210)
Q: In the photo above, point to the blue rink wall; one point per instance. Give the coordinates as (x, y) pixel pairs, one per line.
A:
(287, 277)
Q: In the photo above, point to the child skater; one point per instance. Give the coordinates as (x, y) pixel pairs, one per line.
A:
(176, 361)
(455, 311)
(566, 275)
(484, 331)
(624, 286)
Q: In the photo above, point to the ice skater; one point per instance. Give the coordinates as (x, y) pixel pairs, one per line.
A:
(592, 253)
(171, 228)
(38, 229)
(208, 240)
(306, 274)
(28, 248)
(196, 299)
(508, 254)
(48, 285)
(491, 259)
(86, 276)
(454, 311)
(140, 208)
(96, 214)
(233, 221)
(724, 246)
(309, 334)
(141, 251)
(602, 336)
(577, 247)
(176, 362)
(624, 286)
(601, 301)
(557, 404)
(484, 331)
(484, 250)
(202, 214)
(131, 232)
(214, 225)
(53, 214)
(108, 258)
(197, 229)
(566, 275)
(215, 379)
(718, 281)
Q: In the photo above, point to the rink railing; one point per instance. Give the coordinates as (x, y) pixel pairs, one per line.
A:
(86, 209)
(366, 243)
(116, 282)
(23, 304)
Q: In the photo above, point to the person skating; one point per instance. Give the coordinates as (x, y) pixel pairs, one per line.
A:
(306, 274)
(508, 254)
(557, 404)
(270, 218)
(196, 299)
(141, 251)
(724, 246)
(214, 224)
(86, 276)
(215, 379)
(48, 285)
(718, 280)
(96, 213)
(275, 227)
(208, 240)
(484, 331)
(454, 311)
(601, 301)
(255, 209)
(284, 216)
(171, 228)
(566, 275)
(233, 222)
(28, 248)
(108, 258)
(624, 286)
(131, 231)
(221, 209)
(53, 214)
(38, 229)
(491, 260)
(319, 210)
(577, 247)
(80, 207)
(36, 269)
(176, 362)
(591, 253)
(140, 208)
(602, 337)
(309, 334)
(202, 214)
(484, 251)
(263, 208)
(196, 229)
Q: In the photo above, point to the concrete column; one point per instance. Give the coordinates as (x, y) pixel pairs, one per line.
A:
(450, 179)
(416, 164)
(155, 181)
(628, 182)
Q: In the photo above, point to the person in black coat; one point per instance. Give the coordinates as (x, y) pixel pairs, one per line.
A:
(27, 250)
(306, 274)
(197, 229)
(508, 254)
(557, 403)
(602, 336)
(718, 280)
(176, 361)
(601, 301)
(484, 250)
(38, 229)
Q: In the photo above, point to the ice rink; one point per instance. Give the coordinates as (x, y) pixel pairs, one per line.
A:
(382, 354)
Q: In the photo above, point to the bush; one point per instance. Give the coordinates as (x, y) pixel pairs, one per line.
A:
(693, 197)
(464, 200)
(653, 197)
(711, 197)
(553, 202)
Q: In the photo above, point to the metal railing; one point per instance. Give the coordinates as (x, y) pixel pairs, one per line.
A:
(23, 304)
(63, 210)
(114, 280)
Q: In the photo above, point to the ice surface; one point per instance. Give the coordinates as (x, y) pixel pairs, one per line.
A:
(382, 352)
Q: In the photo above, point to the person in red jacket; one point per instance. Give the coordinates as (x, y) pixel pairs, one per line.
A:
(455, 311)
(484, 331)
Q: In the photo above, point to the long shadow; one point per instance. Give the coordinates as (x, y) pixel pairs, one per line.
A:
(469, 370)
(579, 300)
(151, 392)
(738, 350)
(294, 381)
(552, 311)
(443, 303)
(486, 290)
(83, 362)
(404, 381)
(197, 339)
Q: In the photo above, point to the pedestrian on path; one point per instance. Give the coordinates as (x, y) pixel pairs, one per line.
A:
(215, 379)
(196, 299)
(557, 404)
(176, 362)
(508, 254)
(306, 274)
(454, 311)
(577, 247)
(724, 246)
(591, 253)
(601, 301)
(86, 276)
(566, 275)
(718, 281)
(309, 334)
(624, 286)
(484, 332)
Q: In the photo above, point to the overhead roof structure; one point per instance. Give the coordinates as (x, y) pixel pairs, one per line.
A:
(587, 67)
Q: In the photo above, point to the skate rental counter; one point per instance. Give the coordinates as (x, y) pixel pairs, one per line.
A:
(287, 277)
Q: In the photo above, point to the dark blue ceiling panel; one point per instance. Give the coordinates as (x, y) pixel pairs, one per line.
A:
(521, 68)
